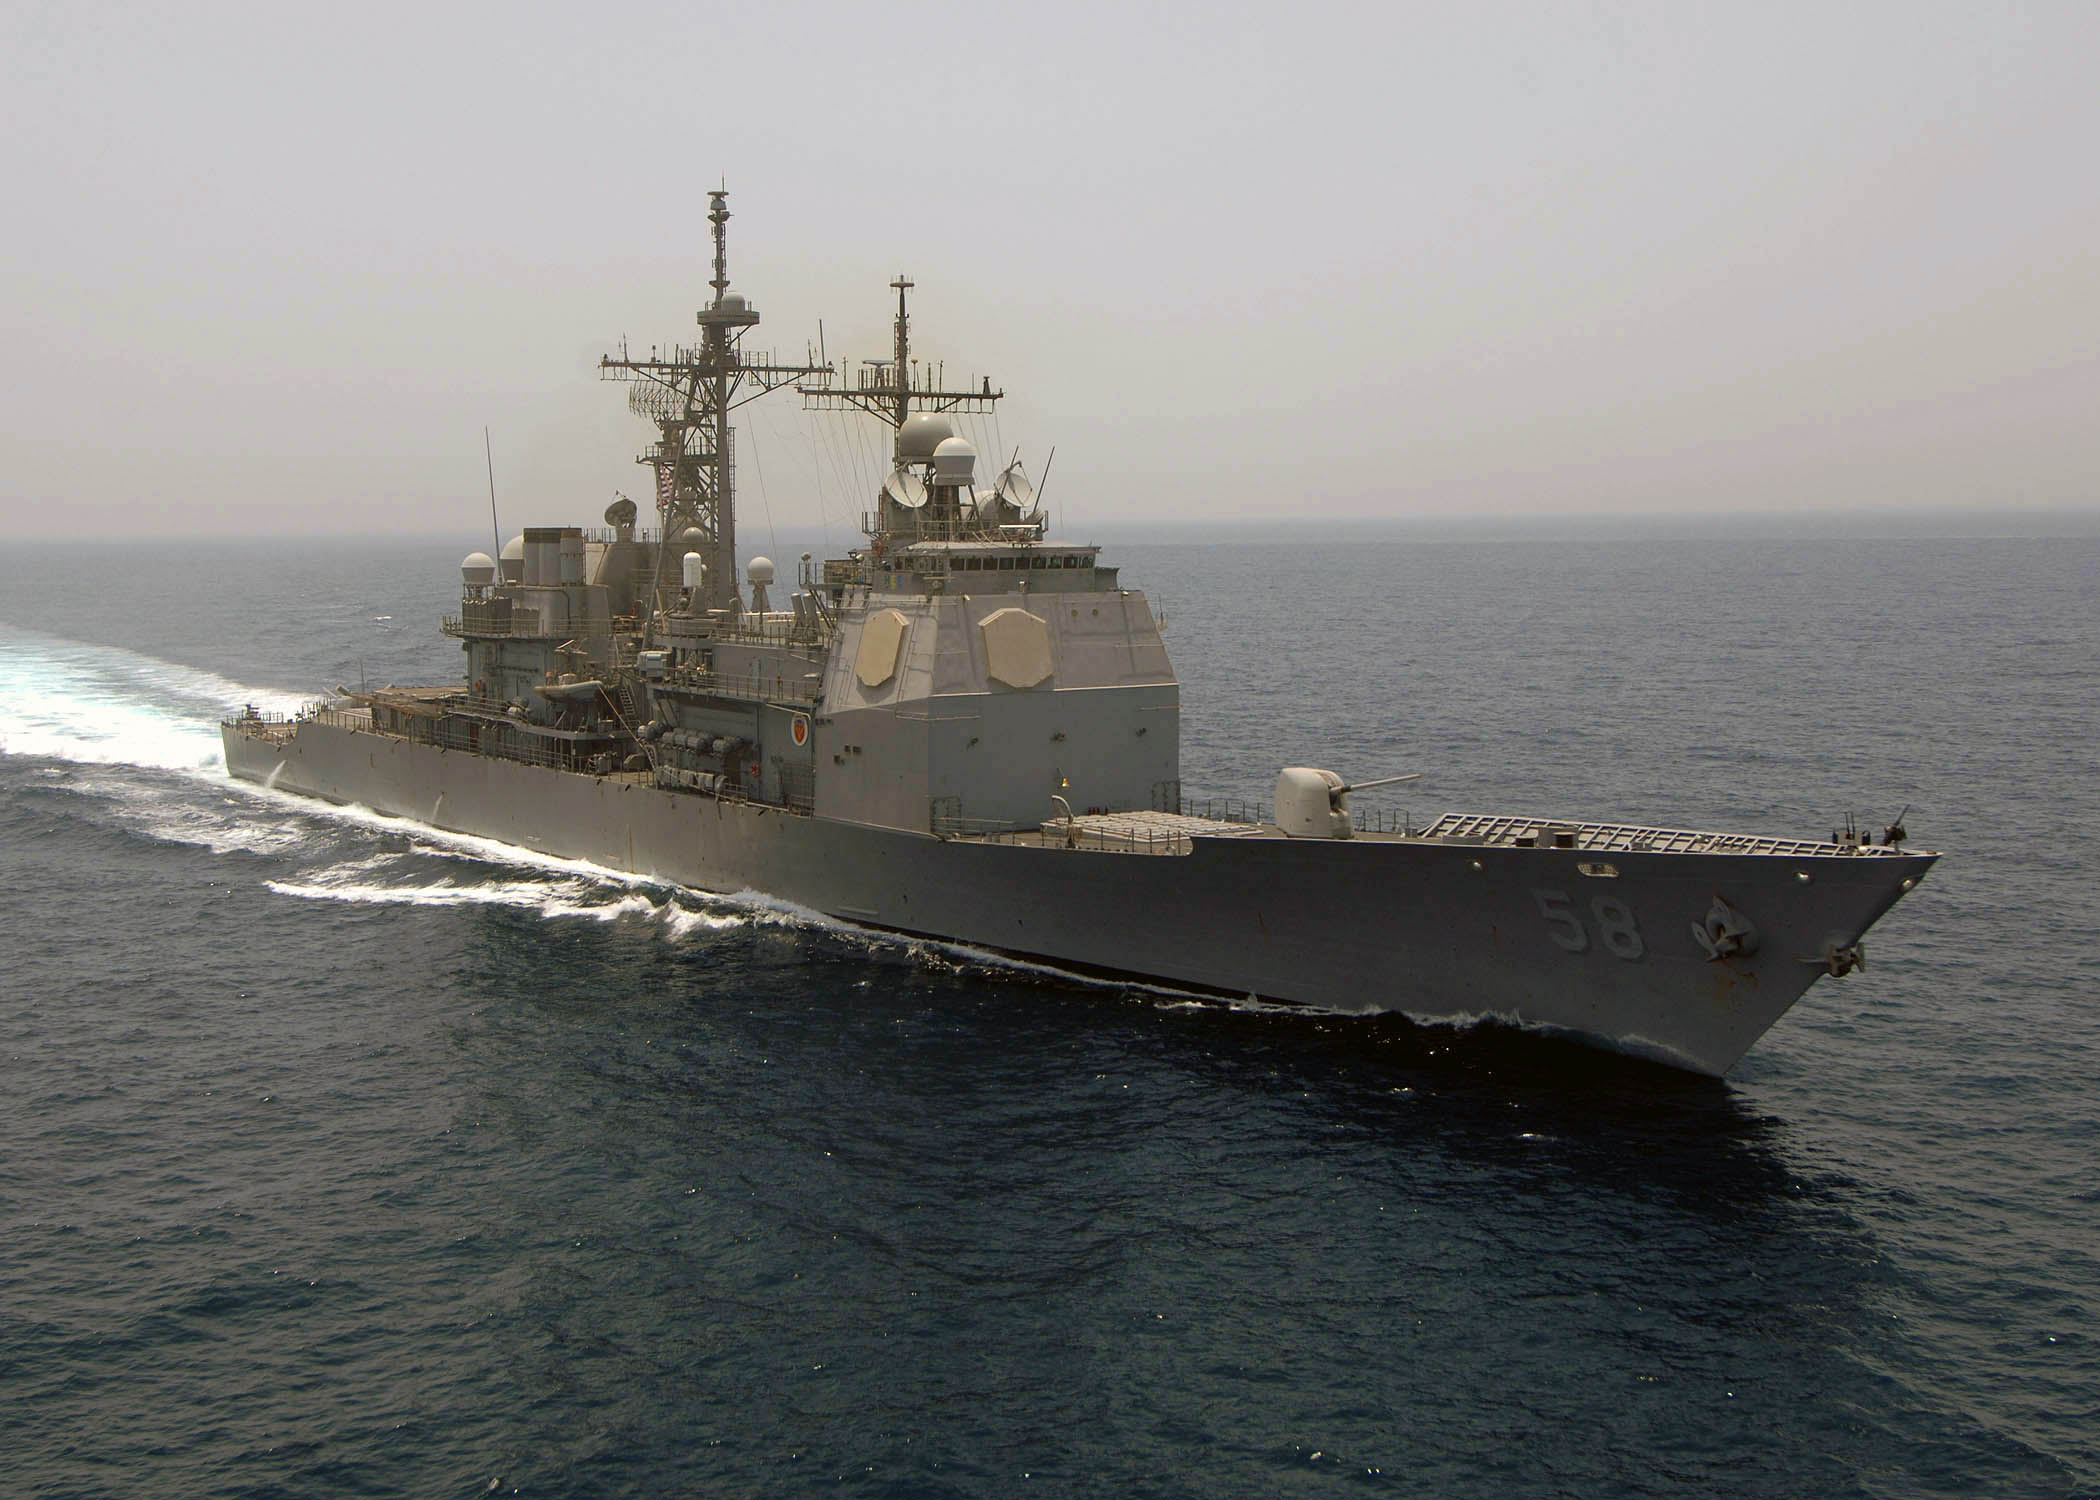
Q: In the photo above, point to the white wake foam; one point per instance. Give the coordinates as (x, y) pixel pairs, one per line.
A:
(103, 705)
(581, 896)
(106, 706)
(172, 812)
(553, 900)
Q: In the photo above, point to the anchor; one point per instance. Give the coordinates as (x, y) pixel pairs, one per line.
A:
(1725, 933)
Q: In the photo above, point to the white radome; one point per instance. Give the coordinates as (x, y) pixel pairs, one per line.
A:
(921, 435)
(954, 461)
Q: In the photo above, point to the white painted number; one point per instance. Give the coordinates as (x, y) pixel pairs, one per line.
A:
(1561, 922)
(1620, 933)
(1615, 922)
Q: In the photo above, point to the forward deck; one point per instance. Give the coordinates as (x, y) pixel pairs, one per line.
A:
(1173, 833)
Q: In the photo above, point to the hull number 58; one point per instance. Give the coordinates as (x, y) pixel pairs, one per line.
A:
(1617, 931)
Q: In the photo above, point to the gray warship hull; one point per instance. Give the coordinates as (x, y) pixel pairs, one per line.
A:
(969, 730)
(1609, 940)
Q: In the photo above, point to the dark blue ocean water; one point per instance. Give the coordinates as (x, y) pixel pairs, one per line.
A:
(341, 1158)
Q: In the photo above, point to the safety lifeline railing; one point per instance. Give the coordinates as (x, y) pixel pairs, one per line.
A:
(1218, 809)
(1627, 838)
(761, 688)
(523, 626)
(1052, 836)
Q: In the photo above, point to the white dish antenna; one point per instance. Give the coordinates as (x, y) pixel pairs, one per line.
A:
(1014, 487)
(906, 488)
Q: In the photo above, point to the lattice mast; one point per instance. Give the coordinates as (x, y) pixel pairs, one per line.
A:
(688, 391)
(890, 389)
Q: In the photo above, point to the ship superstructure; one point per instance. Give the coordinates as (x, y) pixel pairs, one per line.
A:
(968, 728)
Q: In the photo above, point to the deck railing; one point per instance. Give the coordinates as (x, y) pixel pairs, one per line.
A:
(763, 688)
(1049, 836)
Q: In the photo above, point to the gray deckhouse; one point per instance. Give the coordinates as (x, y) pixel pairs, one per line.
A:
(962, 672)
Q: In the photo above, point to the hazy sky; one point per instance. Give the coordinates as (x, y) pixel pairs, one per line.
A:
(272, 268)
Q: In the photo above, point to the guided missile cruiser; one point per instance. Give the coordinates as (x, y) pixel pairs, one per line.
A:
(967, 729)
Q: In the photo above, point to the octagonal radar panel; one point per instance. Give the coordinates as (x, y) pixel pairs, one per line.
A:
(1016, 647)
(881, 647)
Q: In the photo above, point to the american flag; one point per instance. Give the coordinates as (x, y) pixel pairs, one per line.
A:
(666, 484)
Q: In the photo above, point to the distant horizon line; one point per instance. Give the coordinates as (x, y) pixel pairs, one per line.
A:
(1946, 521)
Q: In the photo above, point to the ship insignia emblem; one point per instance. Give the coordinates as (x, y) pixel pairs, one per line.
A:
(800, 729)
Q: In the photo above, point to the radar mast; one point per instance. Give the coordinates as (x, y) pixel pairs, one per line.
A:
(894, 390)
(889, 389)
(688, 391)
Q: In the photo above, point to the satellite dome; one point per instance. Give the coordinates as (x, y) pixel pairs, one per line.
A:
(759, 570)
(691, 536)
(514, 549)
(734, 302)
(921, 434)
(953, 461)
(477, 570)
